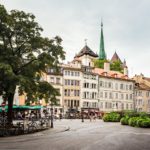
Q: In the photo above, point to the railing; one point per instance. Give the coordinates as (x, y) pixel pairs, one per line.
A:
(22, 127)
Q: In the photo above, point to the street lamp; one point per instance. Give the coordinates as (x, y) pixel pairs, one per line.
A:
(82, 116)
(3, 108)
(52, 125)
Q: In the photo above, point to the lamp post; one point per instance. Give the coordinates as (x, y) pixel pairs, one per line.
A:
(3, 109)
(52, 125)
(82, 116)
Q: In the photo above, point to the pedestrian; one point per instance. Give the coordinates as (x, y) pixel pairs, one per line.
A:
(60, 116)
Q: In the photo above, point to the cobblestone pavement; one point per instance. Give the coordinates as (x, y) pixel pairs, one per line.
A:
(75, 135)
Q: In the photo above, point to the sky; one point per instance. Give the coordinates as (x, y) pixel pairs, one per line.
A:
(126, 26)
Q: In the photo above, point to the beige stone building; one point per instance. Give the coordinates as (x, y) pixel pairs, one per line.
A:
(142, 93)
(115, 90)
(56, 80)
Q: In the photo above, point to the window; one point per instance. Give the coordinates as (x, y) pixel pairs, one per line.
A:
(130, 87)
(105, 94)
(65, 92)
(116, 86)
(101, 94)
(101, 83)
(57, 80)
(126, 96)
(68, 73)
(121, 86)
(109, 84)
(116, 95)
(68, 82)
(65, 72)
(58, 90)
(72, 73)
(71, 82)
(65, 82)
(52, 79)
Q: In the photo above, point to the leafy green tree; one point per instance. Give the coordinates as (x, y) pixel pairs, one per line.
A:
(99, 63)
(24, 56)
(116, 66)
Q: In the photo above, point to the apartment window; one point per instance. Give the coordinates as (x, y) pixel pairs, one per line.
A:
(72, 73)
(130, 87)
(109, 84)
(65, 72)
(110, 95)
(116, 95)
(52, 79)
(68, 73)
(68, 82)
(116, 86)
(105, 94)
(65, 92)
(65, 82)
(101, 83)
(130, 96)
(121, 86)
(58, 90)
(105, 84)
(101, 94)
(122, 96)
(147, 94)
(126, 96)
(57, 80)
(71, 82)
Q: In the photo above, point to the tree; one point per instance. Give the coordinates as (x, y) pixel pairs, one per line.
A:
(100, 63)
(24, 56)
(116, 66)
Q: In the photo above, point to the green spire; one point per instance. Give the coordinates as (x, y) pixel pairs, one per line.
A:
(102, 54)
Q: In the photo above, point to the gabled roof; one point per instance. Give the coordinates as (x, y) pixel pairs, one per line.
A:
(146, 78)
(115, 58)
(111, 74)
(86, 51)
(142, 86)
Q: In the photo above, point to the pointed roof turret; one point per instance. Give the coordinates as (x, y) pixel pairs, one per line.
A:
(115, 58)
(102, 54)
(86, 51)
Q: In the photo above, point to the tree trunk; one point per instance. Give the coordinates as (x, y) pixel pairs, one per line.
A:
(10, 107)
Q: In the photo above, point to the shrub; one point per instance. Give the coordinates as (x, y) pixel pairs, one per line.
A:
(111, 117)
(124, 120)
(143, 123)
(133, 121)
(143, 115)
(130, 114)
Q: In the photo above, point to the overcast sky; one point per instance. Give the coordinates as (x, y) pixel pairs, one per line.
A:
(126, 26)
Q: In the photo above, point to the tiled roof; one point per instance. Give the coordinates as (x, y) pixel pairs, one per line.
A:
(142, 86)
(146, 78)
(111, 74)
(86, 51)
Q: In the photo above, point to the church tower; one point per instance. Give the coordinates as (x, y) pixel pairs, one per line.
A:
(102, 54)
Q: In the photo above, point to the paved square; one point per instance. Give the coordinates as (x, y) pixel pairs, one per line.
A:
(88, 135)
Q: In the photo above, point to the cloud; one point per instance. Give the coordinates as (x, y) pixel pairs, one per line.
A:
(126, 26)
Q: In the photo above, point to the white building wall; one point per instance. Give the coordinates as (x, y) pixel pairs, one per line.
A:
(115, 94)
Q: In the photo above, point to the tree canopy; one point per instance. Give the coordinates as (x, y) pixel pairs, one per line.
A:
(115, 66)
(24, 56)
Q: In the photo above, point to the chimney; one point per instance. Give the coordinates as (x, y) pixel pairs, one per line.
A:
(125, 71)
(106, 67)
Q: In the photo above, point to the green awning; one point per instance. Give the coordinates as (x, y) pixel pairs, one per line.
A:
(22, 107)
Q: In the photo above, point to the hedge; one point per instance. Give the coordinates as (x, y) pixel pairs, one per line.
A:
(111, 117)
